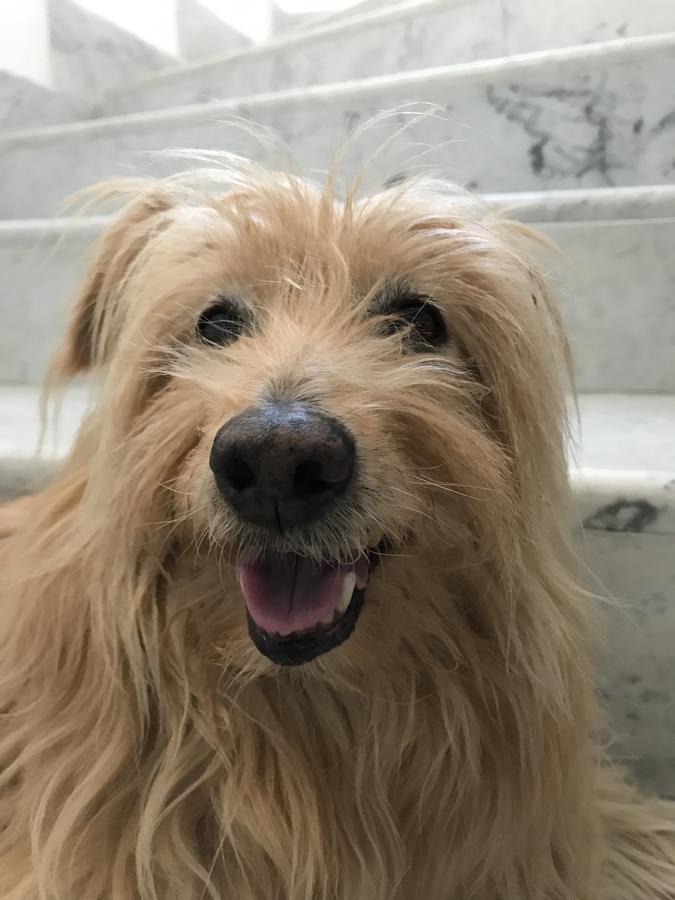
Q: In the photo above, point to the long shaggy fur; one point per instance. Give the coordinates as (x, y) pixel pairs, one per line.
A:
(446, 751)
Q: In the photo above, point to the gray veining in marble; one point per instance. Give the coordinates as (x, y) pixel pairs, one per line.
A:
(622, 461)
(566, 119)
(90, 53)
(405, 37)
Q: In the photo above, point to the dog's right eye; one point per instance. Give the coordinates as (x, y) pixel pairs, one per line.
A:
(222, 323)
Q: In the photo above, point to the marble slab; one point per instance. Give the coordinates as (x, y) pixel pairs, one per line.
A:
(595, 116)
(589, 205)
(203, 35)
(622, 463)
(397, 38)
(616, 284)
(24, 104)
(41, 266)
(634, 578)
(89, 53)
(615, 278)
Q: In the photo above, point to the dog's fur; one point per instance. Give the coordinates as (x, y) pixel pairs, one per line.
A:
(447, 750)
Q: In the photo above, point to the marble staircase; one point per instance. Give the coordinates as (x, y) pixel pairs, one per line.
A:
(413, 35)
(59, 58)
(565, 119)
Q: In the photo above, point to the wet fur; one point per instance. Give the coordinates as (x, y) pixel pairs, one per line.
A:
(447, 750)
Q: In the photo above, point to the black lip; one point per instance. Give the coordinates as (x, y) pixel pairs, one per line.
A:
(295, 650)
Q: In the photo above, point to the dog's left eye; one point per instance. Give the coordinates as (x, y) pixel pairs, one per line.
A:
(423, 321)
(222, 323)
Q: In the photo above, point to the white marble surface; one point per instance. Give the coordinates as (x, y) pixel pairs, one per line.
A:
(615, 279)
(589, 204)
(588, 117)
(415, 35)
(41, 267)
(631, 572)
(24, 104)
(204, 35)
(622, 463)
(616, 284)
(89, 53)
(404, 37)
(634, 576)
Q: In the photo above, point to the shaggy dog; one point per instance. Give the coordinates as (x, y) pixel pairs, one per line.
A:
(298, 618)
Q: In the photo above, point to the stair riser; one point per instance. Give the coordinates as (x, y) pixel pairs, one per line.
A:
(616, 281)
(24, 104)
(417, 37)
(90, 53)
(636, 661)
(595, 117)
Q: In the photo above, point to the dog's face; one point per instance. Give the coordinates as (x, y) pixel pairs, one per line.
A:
(320, 398)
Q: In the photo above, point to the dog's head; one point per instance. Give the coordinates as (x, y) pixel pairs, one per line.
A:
(311, 409)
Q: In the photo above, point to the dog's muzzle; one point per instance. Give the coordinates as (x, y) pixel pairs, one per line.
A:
(283, 466)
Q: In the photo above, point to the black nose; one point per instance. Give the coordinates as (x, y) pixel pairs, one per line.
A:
(282, 465)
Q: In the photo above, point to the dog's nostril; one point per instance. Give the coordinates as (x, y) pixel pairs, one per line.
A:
(308, 478)
(239, 474)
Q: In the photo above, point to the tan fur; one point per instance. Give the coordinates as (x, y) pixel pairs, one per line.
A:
(446, 751)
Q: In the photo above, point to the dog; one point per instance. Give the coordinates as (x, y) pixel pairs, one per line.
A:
(298, 618)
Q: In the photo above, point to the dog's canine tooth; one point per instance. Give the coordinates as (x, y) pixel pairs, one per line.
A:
(328, 620)
(347, 590)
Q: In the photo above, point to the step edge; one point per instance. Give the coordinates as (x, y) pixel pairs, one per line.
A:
(511, 203)
(618, 50)
(394, 13)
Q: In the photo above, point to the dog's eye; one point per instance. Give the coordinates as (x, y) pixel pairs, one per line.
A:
(222, 323)
(422, 319)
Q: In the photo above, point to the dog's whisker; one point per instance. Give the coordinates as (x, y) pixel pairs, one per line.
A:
(449, 489)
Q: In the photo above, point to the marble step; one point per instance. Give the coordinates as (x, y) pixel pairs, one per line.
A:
(588, 116)
(90, 53)
(615, 276)
(401, 38)
(623, 472)
(202, 34)
(25, 103)
(68, 56)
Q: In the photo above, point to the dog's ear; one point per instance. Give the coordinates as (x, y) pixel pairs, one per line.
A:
(93, 320)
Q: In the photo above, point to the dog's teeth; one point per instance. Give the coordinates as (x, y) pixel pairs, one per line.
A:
(347, 591)
(328, 620)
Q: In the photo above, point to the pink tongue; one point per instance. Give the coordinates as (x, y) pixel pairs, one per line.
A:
(285, 592)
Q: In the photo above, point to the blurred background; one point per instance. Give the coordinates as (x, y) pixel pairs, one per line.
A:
(562, 114)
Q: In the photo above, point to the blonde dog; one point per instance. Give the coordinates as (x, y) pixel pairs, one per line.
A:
(298, 618)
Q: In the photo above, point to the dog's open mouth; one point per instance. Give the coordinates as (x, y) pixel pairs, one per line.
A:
(298, 609)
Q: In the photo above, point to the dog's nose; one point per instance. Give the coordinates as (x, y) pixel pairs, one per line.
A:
(282, 464)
